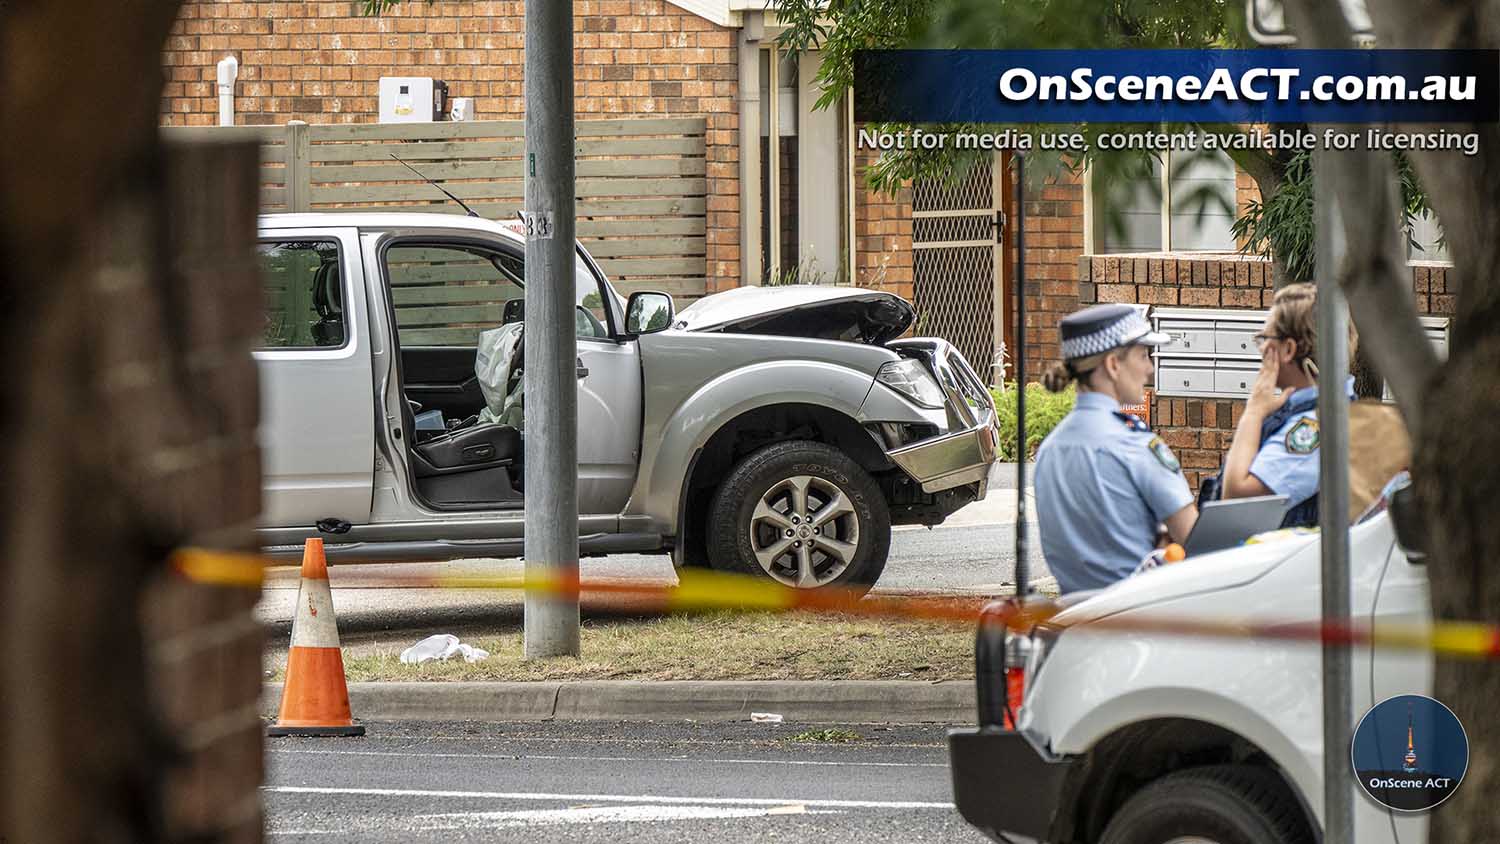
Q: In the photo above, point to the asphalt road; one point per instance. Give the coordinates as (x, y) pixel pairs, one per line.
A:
(590, 782)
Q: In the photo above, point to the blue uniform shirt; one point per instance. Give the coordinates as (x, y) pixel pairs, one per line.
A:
(1287, 462)
(1102, 486)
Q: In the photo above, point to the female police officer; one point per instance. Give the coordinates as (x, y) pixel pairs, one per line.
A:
(1275, 447)
(1103, 481)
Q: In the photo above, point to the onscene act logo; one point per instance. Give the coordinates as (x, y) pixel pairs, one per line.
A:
(1410, 753)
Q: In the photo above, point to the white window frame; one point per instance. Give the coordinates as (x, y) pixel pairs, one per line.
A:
(1090, 232)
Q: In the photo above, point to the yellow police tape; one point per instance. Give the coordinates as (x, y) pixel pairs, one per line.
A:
(699, 590)
(220, 568)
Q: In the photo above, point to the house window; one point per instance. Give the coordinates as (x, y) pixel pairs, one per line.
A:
(1184, 203)
(804, 173)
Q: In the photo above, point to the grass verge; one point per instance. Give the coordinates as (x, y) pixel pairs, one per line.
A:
(710, 646)
(826, 737)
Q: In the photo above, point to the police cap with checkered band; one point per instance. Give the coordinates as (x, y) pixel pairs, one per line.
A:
(1101, 328)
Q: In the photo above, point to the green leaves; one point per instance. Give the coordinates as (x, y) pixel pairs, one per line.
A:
(1044, 411)
(1281, 223)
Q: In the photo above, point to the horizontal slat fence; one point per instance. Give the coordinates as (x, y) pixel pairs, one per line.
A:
(641, 184)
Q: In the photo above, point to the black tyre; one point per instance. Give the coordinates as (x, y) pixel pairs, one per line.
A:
(803, 514)
(1219, 804)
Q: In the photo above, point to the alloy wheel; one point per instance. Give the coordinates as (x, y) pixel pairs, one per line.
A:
(804, 531)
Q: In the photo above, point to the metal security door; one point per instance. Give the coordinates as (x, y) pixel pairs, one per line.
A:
(957, 264)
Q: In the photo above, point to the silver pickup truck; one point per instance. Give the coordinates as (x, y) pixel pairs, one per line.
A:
(780, 431)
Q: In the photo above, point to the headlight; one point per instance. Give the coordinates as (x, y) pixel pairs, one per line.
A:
(911, 379)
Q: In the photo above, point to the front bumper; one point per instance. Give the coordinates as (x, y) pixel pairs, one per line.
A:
(950, 460)
(964, 454)
(1002, 784)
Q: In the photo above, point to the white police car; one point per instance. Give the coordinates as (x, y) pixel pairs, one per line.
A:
(1134, 737)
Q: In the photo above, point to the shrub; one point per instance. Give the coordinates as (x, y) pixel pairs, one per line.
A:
(1043, 411)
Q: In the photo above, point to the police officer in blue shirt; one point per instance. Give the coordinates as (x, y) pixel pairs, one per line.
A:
(1275, 447)
(1104, 482)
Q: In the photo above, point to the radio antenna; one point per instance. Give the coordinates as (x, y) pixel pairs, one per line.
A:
(461, 203)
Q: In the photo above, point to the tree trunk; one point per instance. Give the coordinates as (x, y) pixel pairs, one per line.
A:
(1453, 406)
(129, 425)
(1454, 471)
(1458, 487)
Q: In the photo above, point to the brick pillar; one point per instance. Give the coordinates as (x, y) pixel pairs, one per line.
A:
(1054, 244)
(882, 233)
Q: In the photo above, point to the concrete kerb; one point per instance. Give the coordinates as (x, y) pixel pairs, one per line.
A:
(808, 702)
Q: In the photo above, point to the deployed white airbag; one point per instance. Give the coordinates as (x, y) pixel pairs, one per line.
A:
(492, 366)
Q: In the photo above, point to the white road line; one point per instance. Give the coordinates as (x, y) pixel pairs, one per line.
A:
(606, 798)
(761, 742)
(454, 821)
(676, 759)
(609, 814)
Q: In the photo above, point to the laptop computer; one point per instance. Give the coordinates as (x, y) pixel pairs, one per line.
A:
(1225, 524)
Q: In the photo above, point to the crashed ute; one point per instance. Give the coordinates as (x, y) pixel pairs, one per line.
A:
(778, 431)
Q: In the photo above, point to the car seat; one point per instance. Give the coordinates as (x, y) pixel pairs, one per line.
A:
(328, 302)
(478, 464)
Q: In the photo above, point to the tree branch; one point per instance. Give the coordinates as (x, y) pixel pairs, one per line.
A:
(1463, 190)
(1374, 274)
(1376, 279)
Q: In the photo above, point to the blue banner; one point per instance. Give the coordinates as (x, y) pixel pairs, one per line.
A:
(1177, 86)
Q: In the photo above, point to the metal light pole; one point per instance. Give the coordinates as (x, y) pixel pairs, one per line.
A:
(551, 620)
(1333, 506)
(1326, 25)
(1023, 567)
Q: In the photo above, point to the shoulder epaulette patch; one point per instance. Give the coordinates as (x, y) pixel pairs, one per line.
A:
(1302, 438)
(1164, 454)
(1132, 422)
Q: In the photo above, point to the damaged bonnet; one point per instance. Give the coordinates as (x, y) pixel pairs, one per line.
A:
(824, 313)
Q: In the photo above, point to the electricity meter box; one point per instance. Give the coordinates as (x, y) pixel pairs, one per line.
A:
(412, 99)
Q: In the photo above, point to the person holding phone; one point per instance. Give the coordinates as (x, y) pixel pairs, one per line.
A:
(1275, 446)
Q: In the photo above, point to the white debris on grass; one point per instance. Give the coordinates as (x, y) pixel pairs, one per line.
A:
(442, 646)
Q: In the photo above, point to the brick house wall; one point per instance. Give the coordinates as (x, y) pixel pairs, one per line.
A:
(320, 61)
(882, 234)
(1199, 430)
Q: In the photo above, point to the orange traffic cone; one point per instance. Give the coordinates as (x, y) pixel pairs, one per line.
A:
(315, 699)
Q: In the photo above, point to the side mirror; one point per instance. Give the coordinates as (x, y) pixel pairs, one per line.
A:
(1411, 528)
(648, 312)
(515, 311)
